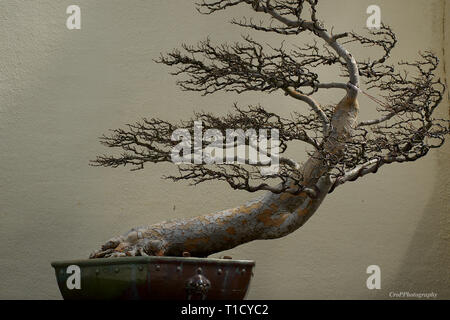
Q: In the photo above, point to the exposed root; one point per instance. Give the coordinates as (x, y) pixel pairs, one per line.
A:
(130, 245)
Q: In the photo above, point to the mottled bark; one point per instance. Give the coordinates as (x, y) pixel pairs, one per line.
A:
(268, 217)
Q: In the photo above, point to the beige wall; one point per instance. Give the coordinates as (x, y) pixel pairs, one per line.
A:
(61, 89)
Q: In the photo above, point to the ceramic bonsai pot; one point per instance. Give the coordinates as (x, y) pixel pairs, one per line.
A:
(154, 278)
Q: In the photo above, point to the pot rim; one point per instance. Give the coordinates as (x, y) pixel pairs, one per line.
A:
(149, 259)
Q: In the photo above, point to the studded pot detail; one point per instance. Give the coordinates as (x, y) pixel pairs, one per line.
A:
(154, 278)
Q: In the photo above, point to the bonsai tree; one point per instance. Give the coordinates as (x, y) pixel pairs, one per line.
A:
(341, 148)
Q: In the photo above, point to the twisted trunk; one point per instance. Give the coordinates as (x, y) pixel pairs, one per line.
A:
(267, 217)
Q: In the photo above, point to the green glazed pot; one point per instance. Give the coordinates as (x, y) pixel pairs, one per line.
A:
(153, 278)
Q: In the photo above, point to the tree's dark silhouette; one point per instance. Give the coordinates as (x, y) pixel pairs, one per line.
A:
(342, 149)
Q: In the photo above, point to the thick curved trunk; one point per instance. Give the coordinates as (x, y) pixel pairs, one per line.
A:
(268, 217)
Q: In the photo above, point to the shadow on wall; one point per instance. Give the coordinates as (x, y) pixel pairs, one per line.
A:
(426, 265)
(425, 268)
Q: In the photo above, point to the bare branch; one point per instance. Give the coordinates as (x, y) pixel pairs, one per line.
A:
(407, 130)
(150, 141)
(238, 68)
(375, 69)
(289, 14)
(312, 103)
